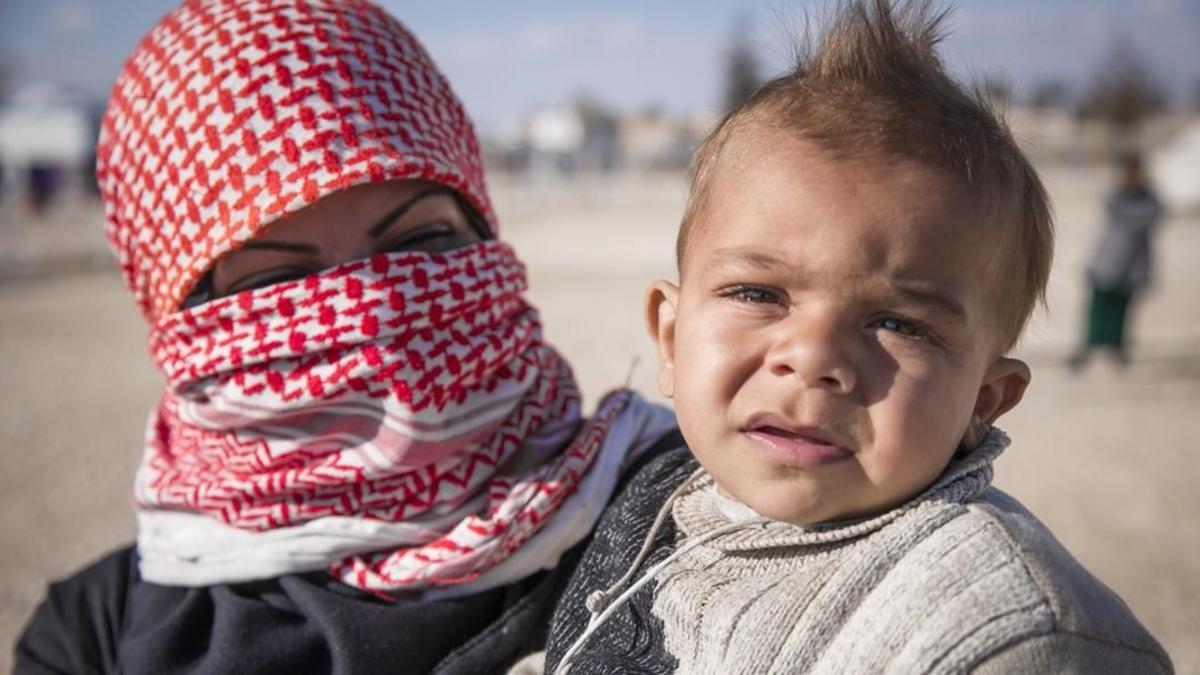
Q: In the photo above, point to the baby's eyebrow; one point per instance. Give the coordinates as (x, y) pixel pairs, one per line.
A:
(927, 294)
(744, 255)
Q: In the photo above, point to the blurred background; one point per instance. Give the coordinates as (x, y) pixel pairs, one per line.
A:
(589, 113)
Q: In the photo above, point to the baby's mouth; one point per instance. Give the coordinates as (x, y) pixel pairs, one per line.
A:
(806, 436)
(777, 425)
(793, 444)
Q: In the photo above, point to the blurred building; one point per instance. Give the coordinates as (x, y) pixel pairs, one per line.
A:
(47, 144)
(651, 140)
(1175, 169)
(555, 139)
(585, 137)
(569, 139)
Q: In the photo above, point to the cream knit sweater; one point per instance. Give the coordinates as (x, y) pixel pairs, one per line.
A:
(959, 579)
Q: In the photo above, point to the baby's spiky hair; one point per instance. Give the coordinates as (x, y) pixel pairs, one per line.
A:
(872, 84)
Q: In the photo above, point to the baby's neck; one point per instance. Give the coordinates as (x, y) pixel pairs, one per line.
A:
(731, 508)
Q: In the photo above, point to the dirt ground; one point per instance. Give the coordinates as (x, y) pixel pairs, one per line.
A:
(1104, 458)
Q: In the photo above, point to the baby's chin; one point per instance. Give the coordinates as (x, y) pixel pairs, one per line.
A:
(795, 504)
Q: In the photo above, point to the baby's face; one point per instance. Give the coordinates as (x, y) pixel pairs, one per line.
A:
(833, 333)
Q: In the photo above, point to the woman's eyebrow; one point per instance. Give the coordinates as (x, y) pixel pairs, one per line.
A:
(394, 215)
(290, 247)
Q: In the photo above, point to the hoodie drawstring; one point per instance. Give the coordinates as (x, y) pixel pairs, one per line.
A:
(598, 604)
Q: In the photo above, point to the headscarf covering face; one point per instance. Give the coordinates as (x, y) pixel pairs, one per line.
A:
(396, 420)
(233, 113)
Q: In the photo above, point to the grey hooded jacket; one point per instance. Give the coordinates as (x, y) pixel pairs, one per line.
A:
(959, 579)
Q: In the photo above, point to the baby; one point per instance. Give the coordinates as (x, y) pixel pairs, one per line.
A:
(863, 245)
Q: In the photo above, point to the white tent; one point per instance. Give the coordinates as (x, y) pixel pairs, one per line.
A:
(1175, 170)
(556, 130)
(47, 125)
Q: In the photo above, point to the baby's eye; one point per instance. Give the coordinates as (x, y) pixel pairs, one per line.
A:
(905, 327)
(754, 295)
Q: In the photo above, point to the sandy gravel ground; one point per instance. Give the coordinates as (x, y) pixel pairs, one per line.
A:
(1107, 459)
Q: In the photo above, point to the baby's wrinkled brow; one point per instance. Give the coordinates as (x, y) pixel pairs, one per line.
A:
(930, 296)
(747, 256)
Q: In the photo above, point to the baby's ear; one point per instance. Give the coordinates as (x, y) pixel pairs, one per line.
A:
(1003, 386)
(661, 302)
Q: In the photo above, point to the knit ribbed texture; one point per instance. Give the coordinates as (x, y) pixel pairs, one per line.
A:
(960, 482)
(936, 585)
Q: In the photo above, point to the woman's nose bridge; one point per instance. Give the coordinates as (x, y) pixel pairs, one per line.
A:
(350, 243)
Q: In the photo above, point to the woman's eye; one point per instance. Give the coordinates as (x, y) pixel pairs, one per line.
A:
(754, 295)
(267, 278)
(436, 237)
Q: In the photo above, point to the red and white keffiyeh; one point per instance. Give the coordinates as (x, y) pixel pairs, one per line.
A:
(233, 113)
(397, 420)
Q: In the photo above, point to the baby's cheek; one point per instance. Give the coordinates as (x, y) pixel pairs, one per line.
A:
(693, 407)
(687, 416)
(698, 375)
(915, 424)
(934, 391)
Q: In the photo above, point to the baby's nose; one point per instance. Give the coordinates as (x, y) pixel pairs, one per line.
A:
(813, 351)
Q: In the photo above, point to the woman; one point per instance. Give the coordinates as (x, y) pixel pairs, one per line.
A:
(366, 457)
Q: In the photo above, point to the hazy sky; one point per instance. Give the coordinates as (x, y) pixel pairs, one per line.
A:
(507, 58)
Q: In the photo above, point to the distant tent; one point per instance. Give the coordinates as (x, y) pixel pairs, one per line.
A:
(46, 126)
(1176, 170)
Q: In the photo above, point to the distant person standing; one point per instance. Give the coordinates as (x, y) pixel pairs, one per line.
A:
(43, 183)
(1120, 267)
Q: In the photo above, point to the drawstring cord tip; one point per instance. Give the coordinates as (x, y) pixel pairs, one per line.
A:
(595, 602)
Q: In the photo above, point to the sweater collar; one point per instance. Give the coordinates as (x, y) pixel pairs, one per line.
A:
(697, 508)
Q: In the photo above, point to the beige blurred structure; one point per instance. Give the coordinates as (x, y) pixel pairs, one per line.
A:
(1109, 459)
